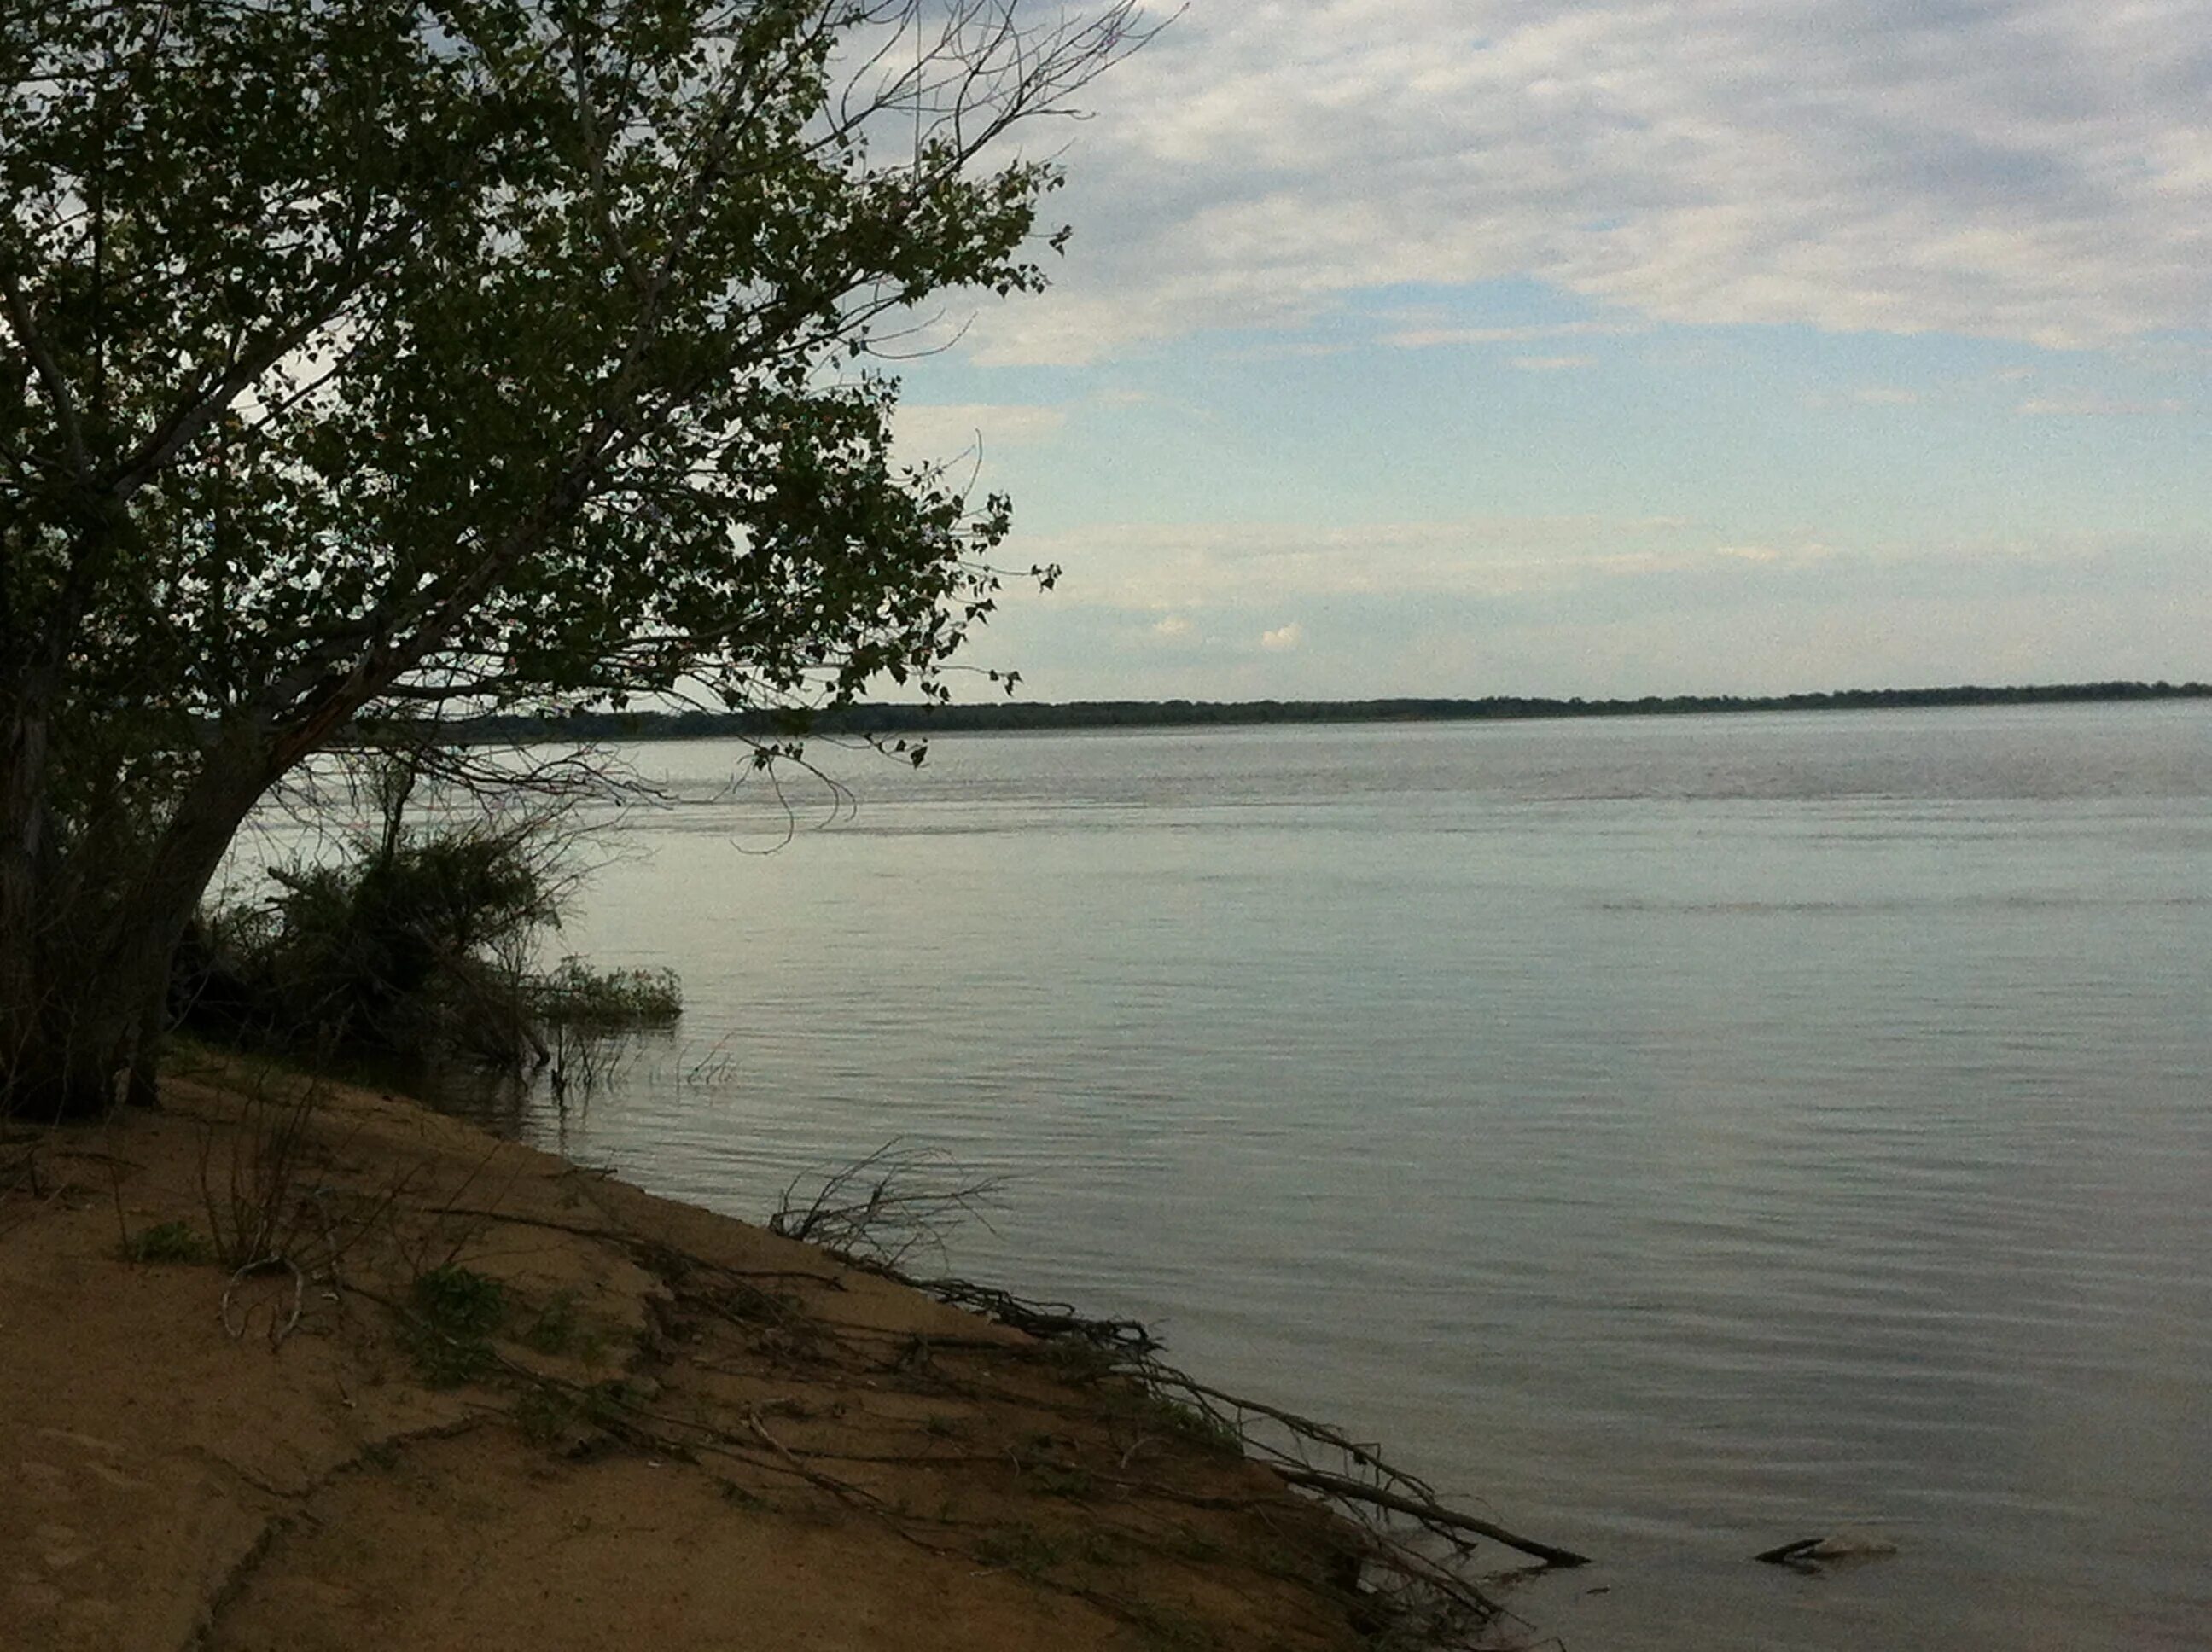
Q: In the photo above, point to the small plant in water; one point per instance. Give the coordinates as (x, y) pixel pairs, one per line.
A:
(577, 995)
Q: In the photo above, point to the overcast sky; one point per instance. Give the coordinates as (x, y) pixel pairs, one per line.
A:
(1465, 347)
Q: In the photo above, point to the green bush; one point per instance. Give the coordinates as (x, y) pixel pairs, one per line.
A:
(413, 941)
(404, 940)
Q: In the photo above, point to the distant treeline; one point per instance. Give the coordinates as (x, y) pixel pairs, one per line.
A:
(1002, 715)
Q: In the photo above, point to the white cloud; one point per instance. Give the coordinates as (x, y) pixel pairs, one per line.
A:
(2039, 170)
(1417, 334)
(1283, 636)
(1187, 567)
(2100, 407)
(1865, 396)
(1171, 627)
(1553, 363)
(945, 430)
(1677, 611)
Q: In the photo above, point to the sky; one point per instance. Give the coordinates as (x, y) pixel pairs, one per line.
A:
(1468, 347)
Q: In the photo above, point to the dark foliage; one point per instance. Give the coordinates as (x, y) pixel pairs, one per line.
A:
(413, 944)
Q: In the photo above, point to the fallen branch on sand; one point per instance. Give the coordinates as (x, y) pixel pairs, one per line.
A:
(1411, 1534)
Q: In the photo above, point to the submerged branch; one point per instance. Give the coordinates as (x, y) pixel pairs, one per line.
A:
(1429, 1514)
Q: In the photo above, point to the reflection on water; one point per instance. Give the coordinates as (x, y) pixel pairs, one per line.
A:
(1681, 1135)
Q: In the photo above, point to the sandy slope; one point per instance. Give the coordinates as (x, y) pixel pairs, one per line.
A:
(682, 1432)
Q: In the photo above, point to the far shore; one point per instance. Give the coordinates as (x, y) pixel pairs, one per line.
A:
(910, 720)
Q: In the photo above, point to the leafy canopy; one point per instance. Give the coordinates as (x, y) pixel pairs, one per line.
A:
(358, 352)
(365, 358)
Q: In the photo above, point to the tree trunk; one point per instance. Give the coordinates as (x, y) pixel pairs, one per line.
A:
(85, 961)
(143, 948)
(24, 928)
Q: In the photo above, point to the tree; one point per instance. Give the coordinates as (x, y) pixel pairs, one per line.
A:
(362, 357)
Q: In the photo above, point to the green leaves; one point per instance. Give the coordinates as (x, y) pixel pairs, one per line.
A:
(360, 355)
(495, 339)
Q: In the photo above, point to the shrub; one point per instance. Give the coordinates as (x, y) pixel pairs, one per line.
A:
(576, 995)
(402, 939)
(414, 939)
(454, 1312)
(459, 1300)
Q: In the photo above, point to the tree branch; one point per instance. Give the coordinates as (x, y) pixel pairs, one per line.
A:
(52, 379)
(1430, 1514)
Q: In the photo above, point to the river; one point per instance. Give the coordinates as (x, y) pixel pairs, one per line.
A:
(1674, 1135)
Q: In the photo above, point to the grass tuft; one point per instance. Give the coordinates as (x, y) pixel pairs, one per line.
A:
(459, 1300)
(544, 1416)
(172, 1242)
(558, 1329)
(456, 1310)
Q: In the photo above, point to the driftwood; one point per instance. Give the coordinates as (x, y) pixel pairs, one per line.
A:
(1336, 1485)
(1041, 1320)
(1418, 1548)
(279, 1326)
(1390, 1489)
(1837, 1546)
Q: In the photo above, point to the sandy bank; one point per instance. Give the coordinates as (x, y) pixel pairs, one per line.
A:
(503, 1403)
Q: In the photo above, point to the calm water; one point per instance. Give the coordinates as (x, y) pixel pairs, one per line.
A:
(1677, 1136)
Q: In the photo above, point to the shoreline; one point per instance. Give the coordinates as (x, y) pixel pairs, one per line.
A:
(922, 720)
(476, 1397)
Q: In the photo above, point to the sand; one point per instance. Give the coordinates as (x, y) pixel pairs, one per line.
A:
(665, 1429)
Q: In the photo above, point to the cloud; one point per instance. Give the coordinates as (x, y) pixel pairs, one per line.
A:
(1675, 615)
(945, 430)
(1415, 335)
(2038, 170)
(1864, 395)
(1749, 553)
(1171, 627)
(2100, 407)
(1283, 637)
(1176, 569)
(1553, 363)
